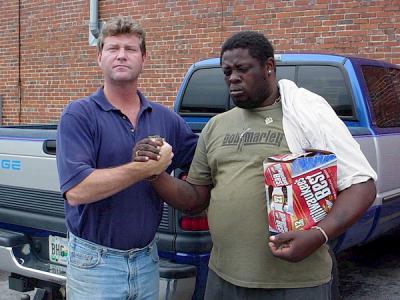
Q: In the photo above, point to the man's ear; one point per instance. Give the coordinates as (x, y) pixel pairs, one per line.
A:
(144, 58)
(270, 66)
(99, 58)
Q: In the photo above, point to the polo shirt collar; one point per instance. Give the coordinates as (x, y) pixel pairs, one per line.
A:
(102, 101)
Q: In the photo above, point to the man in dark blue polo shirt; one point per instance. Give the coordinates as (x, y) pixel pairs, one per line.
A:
(112, 211)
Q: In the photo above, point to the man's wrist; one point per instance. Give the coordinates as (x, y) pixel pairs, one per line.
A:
(158, 177)
(322, 232)
(152, 178)
(145, 169)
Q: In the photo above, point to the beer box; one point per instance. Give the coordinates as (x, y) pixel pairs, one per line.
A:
(300, 189)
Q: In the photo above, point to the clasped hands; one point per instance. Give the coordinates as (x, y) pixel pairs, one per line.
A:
(154, 152)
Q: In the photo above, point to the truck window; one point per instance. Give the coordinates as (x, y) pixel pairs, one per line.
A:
(328, 82)
(285, 72)
(384, 92)
(206, 92)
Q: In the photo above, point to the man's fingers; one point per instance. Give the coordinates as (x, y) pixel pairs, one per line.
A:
(276, 242)
(278, 248)
(147, 154)
(280, 245)
(148, 148)
(141, 158)
(166, 149)
(281, 238)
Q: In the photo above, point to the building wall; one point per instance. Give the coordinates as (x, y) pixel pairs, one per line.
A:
(46, 60)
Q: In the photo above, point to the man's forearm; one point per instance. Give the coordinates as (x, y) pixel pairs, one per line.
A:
(181, 194)
(348, 208)
(103, 183)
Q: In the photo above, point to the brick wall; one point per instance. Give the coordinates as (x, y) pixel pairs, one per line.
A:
(45, 59)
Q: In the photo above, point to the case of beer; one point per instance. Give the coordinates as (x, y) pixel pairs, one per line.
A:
(300, 189)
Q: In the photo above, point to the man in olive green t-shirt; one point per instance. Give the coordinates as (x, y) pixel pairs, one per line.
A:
(226, 176)
(233, 145)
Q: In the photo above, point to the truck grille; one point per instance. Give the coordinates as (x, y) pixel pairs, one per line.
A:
(164, 224)
(49, 203)
(31, 200)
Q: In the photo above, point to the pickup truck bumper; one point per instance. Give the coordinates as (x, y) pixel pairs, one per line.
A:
(16, 257)
(177, 281)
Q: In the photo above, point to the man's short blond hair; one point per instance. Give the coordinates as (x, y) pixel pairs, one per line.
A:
(122, 25)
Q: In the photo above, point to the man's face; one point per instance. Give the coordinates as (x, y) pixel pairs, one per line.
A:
(121, 59)
(246, 78)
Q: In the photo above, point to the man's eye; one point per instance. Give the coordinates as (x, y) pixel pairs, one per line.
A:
(242, 69)
(227, 72)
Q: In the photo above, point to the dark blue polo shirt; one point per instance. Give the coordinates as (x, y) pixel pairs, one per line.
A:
(92, 134)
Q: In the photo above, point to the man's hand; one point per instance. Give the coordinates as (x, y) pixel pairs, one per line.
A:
(164, 159)
(147, 149)
(295, 245)
(165, 156)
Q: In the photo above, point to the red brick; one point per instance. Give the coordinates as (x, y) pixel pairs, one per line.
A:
(57, 65)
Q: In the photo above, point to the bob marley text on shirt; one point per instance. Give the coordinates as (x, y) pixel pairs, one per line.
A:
(248, 137)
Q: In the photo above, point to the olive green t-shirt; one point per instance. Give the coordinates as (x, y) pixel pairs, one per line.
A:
(230, 155)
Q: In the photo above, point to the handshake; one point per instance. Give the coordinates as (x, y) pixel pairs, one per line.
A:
(155, 152)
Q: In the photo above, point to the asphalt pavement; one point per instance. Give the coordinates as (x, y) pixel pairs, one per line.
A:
(6, 293)
(371, 271)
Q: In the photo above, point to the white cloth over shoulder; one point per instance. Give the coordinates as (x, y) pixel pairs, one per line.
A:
(310, 122)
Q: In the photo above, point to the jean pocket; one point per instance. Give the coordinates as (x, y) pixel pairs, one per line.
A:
(84, 257)
(154, 254)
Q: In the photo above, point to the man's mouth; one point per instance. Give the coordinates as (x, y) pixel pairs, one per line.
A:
(121, 66)
(236, 92)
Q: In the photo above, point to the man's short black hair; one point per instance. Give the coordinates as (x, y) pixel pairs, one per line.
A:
(258, 45)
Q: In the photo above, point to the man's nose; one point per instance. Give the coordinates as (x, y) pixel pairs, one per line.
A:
(234, 77)
(121, 53)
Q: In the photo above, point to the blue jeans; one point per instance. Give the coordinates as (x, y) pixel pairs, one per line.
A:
(97, 272)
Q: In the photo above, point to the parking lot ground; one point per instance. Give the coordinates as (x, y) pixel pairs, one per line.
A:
(371, 271)
(6, 293)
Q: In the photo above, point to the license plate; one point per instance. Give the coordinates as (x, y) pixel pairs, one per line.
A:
(58, 250)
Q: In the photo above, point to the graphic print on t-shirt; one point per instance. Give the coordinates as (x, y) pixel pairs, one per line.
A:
(248, 137)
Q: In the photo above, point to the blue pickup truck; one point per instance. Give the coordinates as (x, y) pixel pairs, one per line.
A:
(364, 93)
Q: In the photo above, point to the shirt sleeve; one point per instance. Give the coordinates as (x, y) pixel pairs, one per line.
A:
(185, 141)
(333, 135)
(200, 172)
(75, 150)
